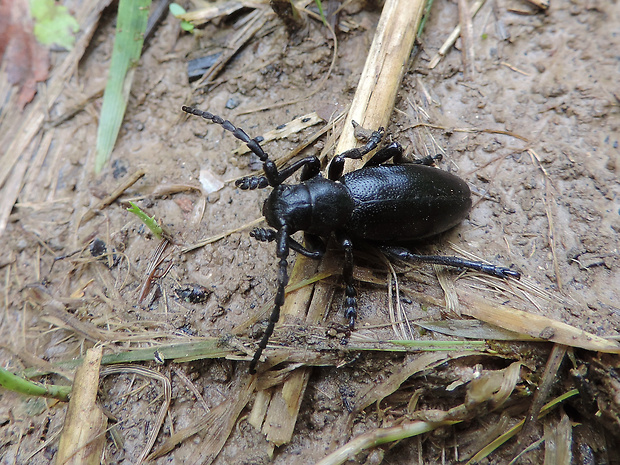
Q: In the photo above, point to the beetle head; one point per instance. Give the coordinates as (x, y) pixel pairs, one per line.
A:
(288, 205)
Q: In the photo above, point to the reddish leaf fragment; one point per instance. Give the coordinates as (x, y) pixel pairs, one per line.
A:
(27, 62)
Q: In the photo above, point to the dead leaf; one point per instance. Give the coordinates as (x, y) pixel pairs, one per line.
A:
(27, 61)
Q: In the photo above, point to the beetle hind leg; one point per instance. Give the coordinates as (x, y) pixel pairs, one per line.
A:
(401, 253)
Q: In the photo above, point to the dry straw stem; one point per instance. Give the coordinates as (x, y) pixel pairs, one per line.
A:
(371, 107)
(467, 35)
(537, 326)
(83, 434)
(381, 436)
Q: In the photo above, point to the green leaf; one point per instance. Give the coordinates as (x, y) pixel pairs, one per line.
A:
(187, 26)
(53, 24)
(130, 28)
(176, 9)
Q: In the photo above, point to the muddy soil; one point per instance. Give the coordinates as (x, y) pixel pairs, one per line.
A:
(553, 212)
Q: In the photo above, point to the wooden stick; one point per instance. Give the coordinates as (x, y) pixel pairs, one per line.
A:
(371, 107)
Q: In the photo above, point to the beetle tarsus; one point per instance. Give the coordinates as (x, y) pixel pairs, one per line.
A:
(263, 234)
(252, 182)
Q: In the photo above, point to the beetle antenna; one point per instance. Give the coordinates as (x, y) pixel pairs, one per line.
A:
(282, 241)
(271, 171)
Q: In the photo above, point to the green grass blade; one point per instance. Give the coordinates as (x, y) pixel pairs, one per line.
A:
(15, 383)
(130, 27)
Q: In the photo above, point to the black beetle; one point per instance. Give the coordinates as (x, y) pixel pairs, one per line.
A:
(384, 204)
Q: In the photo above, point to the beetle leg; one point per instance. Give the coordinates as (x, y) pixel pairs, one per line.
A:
(315, 247)
(310, 169)
(336, 167)
(428, 160)
(494, 270)
(252, 182)
(394, 151)
(350, 301)
(282, 250)
(315, 250)
(310, 166)
(264, 234)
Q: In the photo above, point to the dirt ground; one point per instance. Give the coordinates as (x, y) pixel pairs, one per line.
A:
(546, 203)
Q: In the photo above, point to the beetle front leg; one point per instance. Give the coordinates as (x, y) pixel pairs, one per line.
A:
(310, 167)
(282, 250)
(350, 301)
(315, 251)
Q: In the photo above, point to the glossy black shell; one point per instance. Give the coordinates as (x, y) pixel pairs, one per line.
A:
(405, 202)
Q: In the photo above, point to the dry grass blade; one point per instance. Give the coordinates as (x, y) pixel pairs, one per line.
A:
(57, 309)
(558, 441)
(494, 445)
(217, 424)
(255, 22)
(544, 387)
(161, 415)
(449, 289)
(57, 314)
(473, 329)
(156, 259)
(549, 201)
(542, 4)
(451, 40)
(469, 130)
(410, 367)
(107, 201)
(208, 13)
(467, 39)
(486, 393)
(217, 237)
(83, 438)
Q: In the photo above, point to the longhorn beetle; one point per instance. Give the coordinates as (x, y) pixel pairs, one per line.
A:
(384, 204)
